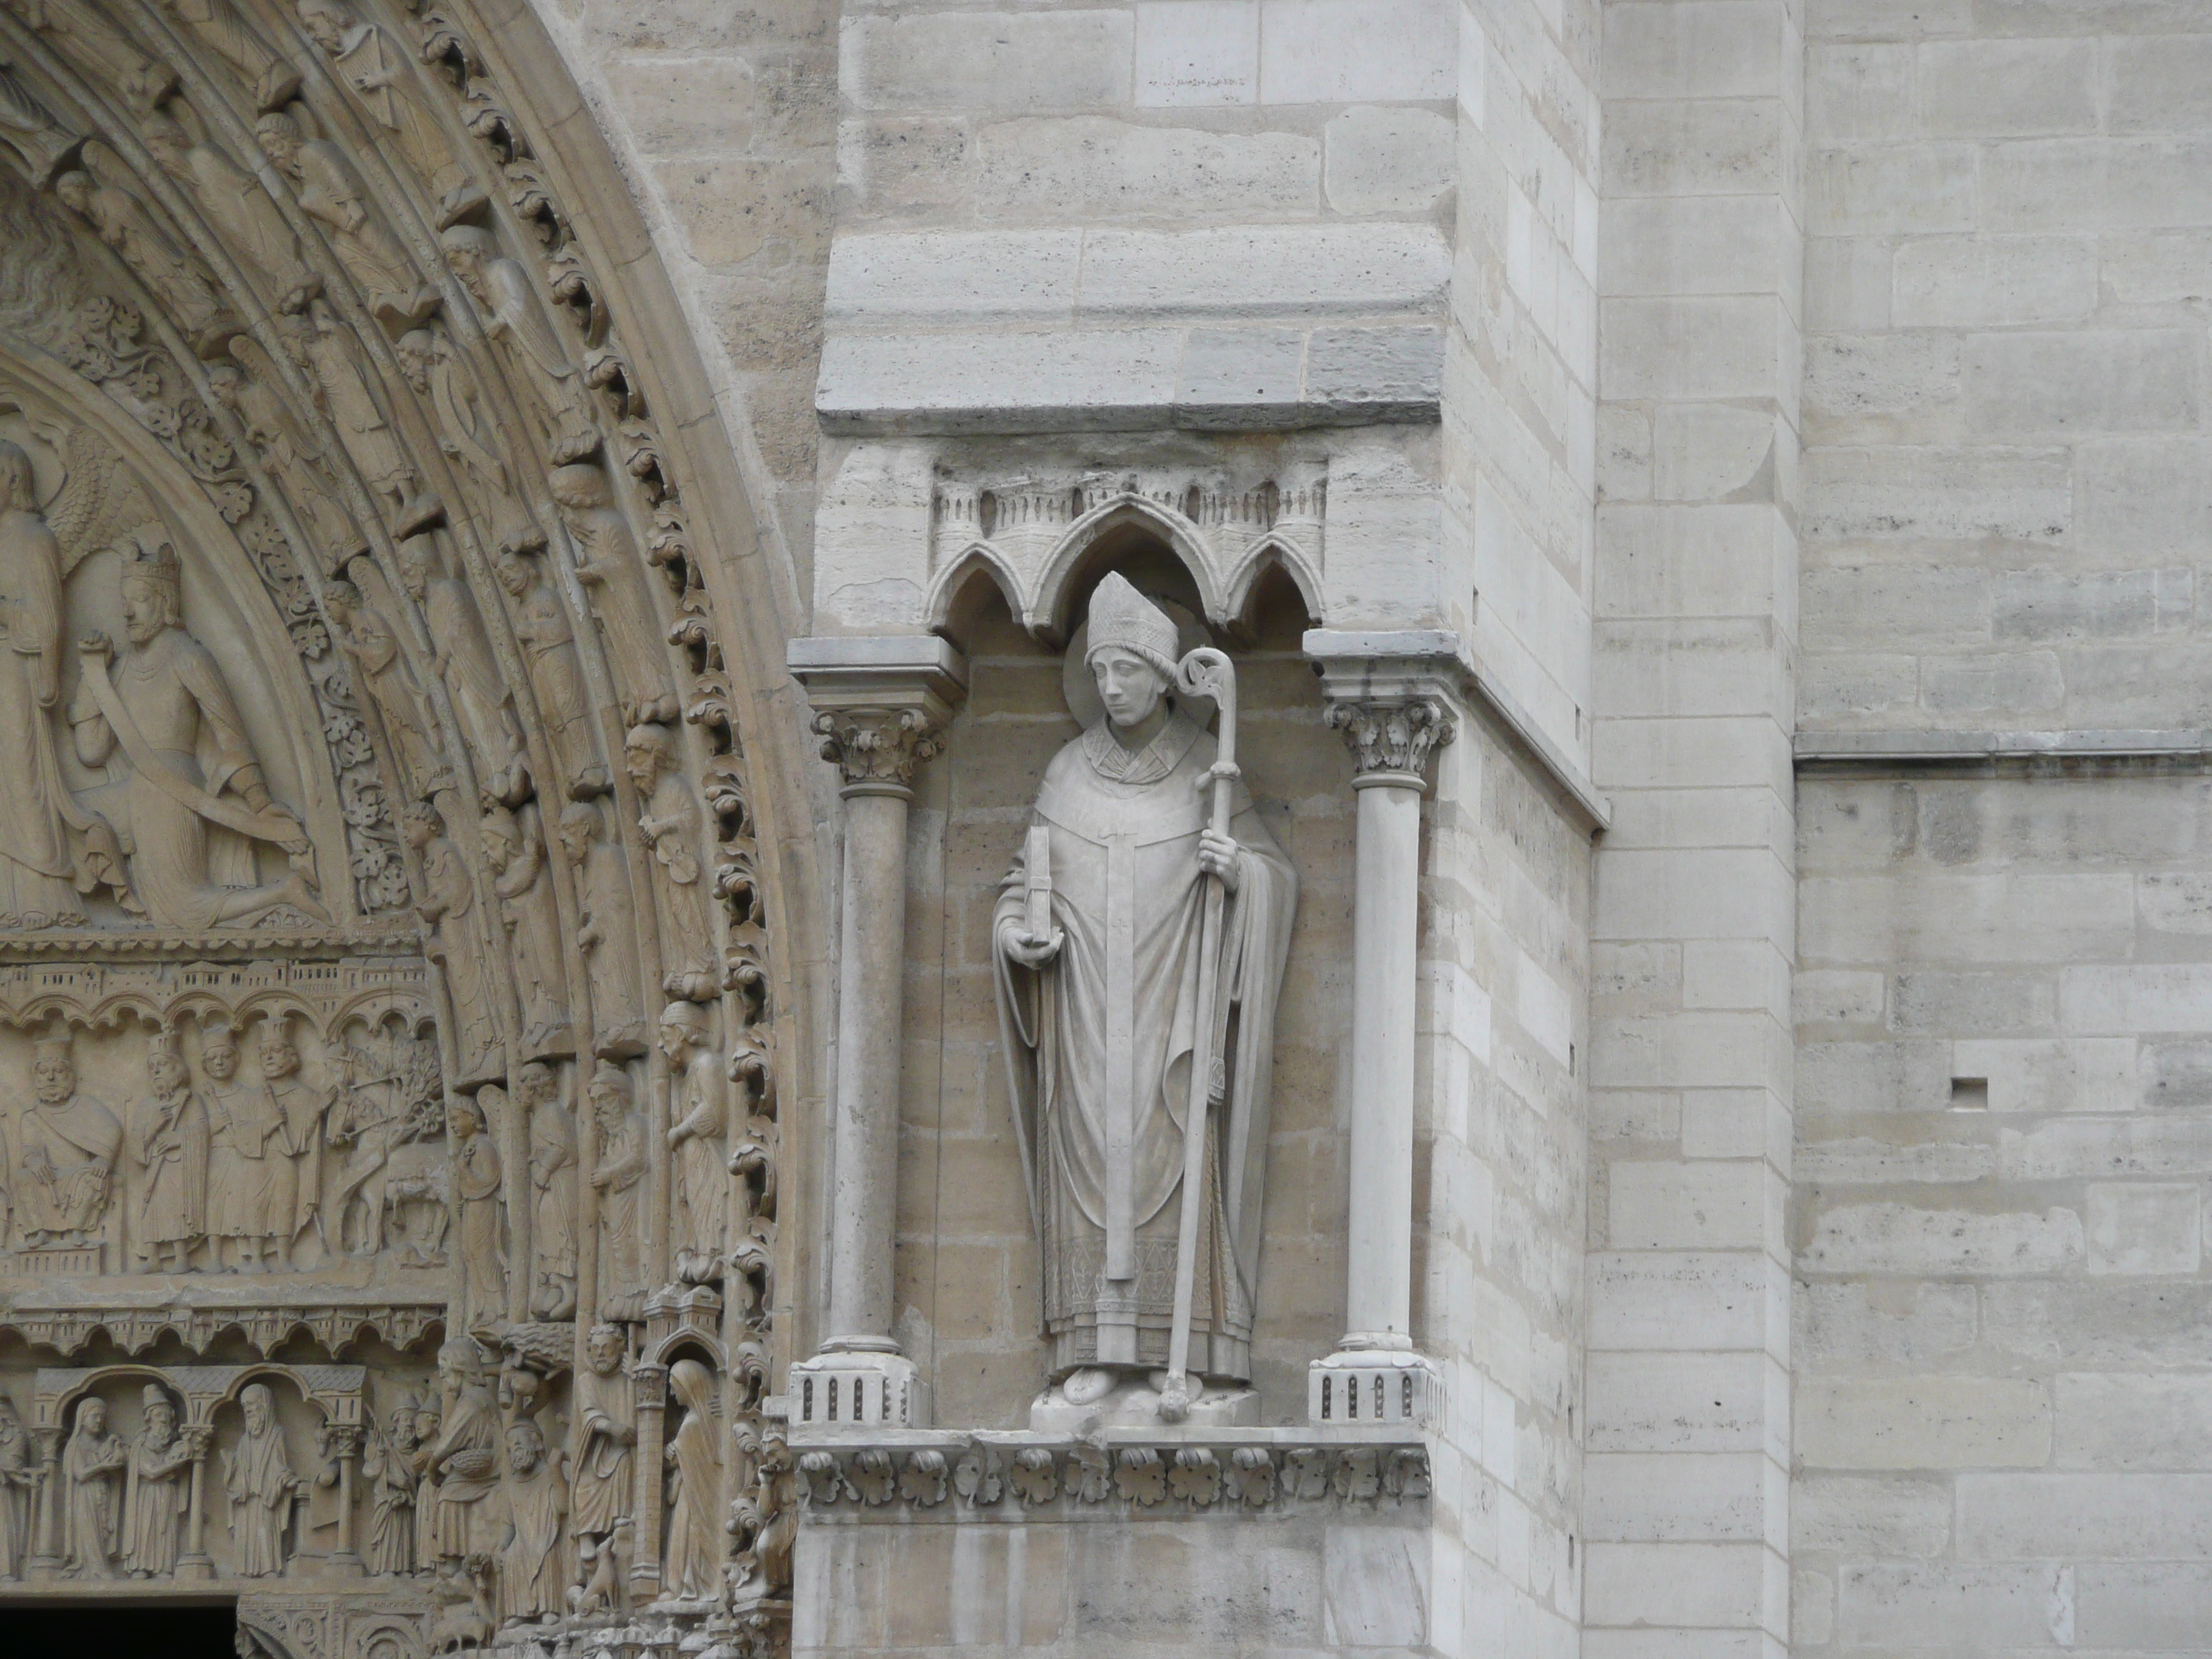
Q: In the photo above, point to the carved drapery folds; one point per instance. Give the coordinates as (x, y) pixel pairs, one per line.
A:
(383, 940)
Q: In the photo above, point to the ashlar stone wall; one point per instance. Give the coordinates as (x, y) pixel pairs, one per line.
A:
(2003, 1322)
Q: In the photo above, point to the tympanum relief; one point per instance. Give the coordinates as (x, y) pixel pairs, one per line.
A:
(383, 949)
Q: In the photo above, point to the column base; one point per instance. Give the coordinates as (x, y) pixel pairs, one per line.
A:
(867, 1390)
(1372, 1385)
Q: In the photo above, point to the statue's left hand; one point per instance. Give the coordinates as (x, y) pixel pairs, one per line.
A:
(96, 644)
(1217, 856)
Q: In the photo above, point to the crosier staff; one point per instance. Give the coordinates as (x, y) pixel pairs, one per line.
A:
(1204, 672)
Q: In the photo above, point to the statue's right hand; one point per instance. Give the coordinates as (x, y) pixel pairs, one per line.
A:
(97, 644)
(1024, 947)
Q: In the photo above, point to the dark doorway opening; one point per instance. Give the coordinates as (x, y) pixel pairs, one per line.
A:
(204, 1630)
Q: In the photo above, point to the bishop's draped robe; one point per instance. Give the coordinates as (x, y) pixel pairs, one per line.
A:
(1099, 1044)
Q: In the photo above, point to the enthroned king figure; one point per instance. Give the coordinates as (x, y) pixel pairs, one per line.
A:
(1098, 1016)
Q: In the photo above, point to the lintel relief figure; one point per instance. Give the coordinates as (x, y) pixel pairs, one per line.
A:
(1099, 974)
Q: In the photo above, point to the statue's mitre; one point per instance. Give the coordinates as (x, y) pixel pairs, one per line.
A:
(1122, 619)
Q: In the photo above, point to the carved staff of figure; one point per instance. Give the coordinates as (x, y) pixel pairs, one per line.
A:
(1101, 1022)
(531, 1579)
(90, 1464)
(156, 1489)
(694, 1467)
(259, 1485)
(388, 1467)
(18, 1476)
(476, 1190)
(171, 1142)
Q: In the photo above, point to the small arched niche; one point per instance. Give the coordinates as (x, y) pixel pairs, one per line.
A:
(969, 1258)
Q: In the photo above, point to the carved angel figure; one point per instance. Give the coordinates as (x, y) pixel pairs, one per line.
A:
(190, 803)
(37, 869)
(609, 565)
(254, 227)
(669, 819)
(375, 66)
(515, 321)
(91, 1462)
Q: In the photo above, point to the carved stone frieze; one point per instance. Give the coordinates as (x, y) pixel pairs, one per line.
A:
(1017, 1476)
(1392, 734)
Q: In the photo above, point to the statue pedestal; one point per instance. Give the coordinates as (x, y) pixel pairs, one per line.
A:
(1367, 1386)
(1088, 1400)
(864, 1388)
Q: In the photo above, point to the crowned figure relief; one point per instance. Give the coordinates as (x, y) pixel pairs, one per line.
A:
(1102, 939)
(190, 802)
(67, 1145)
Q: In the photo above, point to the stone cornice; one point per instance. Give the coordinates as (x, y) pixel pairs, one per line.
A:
(907, 1474)
(1379, 667)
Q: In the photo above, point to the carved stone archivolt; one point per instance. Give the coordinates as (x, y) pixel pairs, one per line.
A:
(385, 950)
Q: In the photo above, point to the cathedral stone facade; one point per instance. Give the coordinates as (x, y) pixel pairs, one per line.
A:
(1110, 828)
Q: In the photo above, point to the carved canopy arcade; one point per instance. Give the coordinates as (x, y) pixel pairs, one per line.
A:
(388, 1140)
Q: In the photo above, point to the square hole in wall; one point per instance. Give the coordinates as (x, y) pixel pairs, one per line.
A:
(1969, 1094)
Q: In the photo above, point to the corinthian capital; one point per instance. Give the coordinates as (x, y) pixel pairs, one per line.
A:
(878, 749)
(1392, 734)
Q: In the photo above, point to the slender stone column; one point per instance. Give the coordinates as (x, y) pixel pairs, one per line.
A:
(195, 1562)
(1391, 716)
(879, 704)
(341, 1444)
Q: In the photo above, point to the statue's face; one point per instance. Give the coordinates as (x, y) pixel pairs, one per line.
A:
(142, 613)
(499, 847)
(426, 1426)
(460, 1121)
(605, 1353)
(220, 1056)
(74, 189)
(1130, 687)
(161, 1424)
(414, 353)
(675, 1040)
(277, 145)
(521, 1449)
(414, 570)
(93, 1417)
(576, 839)
(167, 1072)
(513, 575)
(57, 1079)
(642, 762)
(610, 1105)
(323, 27)
(278, 1057)
(257, 1415)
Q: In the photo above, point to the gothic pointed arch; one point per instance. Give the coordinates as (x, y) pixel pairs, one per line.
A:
(402, 820)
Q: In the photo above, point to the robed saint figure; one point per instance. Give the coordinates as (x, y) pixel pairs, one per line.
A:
(1098, 1011)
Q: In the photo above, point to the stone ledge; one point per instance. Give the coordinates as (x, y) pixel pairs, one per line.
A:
(947, 1475)
(1937, 748)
